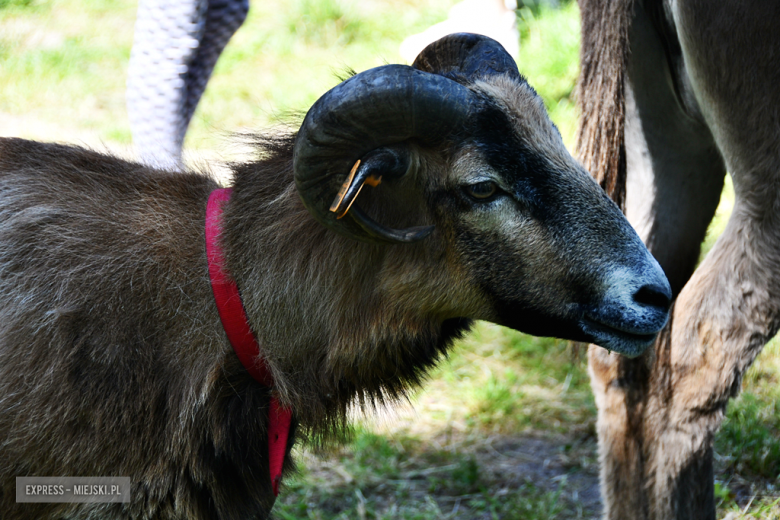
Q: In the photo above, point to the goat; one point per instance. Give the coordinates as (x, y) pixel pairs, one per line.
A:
(674, 94)
(113, 358)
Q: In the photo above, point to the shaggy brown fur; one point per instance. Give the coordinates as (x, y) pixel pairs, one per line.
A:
(701, 77)
(128, 327)
(113, 357)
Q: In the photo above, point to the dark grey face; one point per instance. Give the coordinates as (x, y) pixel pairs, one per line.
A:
(553, 255)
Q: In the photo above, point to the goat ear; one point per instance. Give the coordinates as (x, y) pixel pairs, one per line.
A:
(466, 56)
(381, 163)
(376, 164)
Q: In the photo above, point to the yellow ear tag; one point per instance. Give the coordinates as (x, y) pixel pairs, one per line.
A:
(339, 200)
(343, 190)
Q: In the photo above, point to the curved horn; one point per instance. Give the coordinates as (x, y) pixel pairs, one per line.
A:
(466, 55)
(370, 112)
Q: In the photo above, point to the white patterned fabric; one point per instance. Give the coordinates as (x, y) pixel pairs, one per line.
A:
(176, 45)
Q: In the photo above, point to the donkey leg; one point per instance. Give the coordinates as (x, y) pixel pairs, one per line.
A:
(731, 306)
(674, 181)
(666, 407)
(721, 320)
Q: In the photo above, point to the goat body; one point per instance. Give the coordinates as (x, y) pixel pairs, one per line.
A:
(116, 336)
(113, 360)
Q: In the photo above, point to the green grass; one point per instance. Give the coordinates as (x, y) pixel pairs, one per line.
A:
(549, 59)
(471, 444)
(63, 63)
(15, 4)
(505, 381)
(749, 436)
(400, 478)
(294, 53)
(748, 444)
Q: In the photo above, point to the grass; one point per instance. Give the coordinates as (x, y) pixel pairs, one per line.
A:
(403, 477)
(747, 447)
(59, 69)
(553, 35)
(509, 382)
(505, 428)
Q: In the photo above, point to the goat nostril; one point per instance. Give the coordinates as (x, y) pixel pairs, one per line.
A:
(653, 296)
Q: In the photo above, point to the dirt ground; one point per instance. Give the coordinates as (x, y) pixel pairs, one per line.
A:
(558, 474)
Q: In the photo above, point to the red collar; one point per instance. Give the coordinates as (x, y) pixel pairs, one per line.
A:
(236, 325)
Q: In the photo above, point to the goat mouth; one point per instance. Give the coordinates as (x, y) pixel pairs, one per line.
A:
(626, 342)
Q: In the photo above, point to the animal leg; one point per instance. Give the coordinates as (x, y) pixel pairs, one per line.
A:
(721, 320)
(674, 180)
(658, 414)
(731, 306)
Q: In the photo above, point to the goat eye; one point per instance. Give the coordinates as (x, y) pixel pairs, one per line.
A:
(482, 190)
